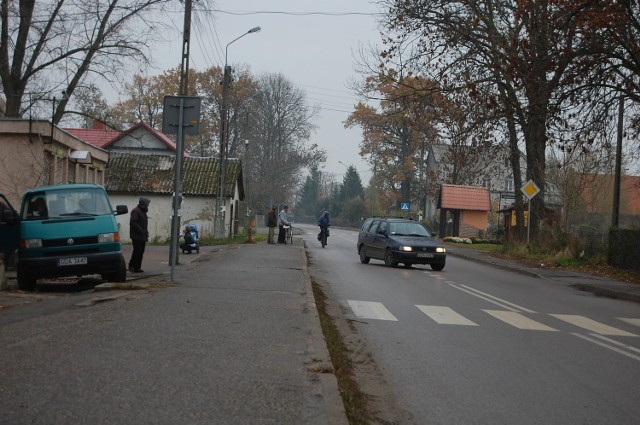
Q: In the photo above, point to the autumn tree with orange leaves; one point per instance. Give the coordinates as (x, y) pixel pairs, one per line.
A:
(413, 116)
(527, 60)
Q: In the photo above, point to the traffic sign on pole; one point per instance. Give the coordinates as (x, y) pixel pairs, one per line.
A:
(530, 189)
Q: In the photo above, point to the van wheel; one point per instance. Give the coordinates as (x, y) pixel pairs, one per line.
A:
(118, 276)
(25, 281)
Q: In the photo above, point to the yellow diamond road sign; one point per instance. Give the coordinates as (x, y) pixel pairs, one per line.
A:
(530, 189)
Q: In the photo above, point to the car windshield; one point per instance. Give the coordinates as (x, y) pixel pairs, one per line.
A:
(64, 203)
(408, 229)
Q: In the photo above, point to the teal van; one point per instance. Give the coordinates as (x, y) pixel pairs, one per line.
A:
(64, 230)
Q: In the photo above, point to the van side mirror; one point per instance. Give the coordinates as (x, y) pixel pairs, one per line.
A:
(121, 209)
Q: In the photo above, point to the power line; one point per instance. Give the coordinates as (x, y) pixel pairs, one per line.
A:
(276, 12)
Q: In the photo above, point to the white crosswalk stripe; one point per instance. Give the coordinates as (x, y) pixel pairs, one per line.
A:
(445, 315)
(519, 321)
(370, 310)
(630, 320)
(592, 325)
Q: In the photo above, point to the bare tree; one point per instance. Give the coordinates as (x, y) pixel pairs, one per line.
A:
(47, 47)
(279, 149)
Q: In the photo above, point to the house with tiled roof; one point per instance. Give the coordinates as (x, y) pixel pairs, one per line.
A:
(99, 135)
(469, 207)
(140, 138)
(130, 176)
(36, 152)
(467, 165)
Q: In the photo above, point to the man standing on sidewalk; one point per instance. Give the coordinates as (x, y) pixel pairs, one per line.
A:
(138, 224)
(272, 223)
(283, 221)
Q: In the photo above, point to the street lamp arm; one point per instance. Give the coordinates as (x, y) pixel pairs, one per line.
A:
(251, 31)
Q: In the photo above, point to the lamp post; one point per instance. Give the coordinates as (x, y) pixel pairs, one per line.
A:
(224, 134)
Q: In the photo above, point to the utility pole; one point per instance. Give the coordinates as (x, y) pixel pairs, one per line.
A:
(224, 137)
(226, 84)
(177, 191)
(615, 219)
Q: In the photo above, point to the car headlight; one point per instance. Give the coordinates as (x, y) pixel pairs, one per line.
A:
(406, 248)
(440, 249)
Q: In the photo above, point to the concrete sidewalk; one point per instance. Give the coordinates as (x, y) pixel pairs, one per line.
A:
(268, 289)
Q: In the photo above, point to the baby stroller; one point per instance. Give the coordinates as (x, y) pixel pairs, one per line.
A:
(193, 244)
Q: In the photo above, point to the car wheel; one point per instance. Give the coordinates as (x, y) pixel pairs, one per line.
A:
(25, 281)
(363, 258)
(437, 266)
(388, 259)
(408, 265)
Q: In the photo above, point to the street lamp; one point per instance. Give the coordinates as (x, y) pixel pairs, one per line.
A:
(224, 134)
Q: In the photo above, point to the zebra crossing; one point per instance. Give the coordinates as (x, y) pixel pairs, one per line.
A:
(443, 315)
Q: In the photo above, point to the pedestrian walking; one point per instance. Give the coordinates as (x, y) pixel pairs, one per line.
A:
(139, 233)
(283, 221)
(272, 223)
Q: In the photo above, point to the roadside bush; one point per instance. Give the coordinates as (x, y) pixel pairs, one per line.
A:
(456, 239)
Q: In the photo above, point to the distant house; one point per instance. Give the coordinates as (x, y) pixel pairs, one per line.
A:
(132, 175)
(140, 139)
(465, 165)
(598, 201)
(36, 152)
(469, 206)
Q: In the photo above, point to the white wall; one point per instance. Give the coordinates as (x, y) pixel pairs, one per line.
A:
(198, 210)
(194, 210)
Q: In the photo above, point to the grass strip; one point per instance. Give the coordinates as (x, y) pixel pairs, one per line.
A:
(353, 399)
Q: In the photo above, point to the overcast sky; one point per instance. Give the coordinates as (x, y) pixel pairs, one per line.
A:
(313, 44)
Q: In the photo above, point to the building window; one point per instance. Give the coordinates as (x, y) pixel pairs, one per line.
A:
(508, 184)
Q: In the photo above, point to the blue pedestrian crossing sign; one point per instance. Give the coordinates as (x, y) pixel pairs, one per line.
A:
(404, 206)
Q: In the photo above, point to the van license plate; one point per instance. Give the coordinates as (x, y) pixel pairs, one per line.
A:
(425, 255)
(71, 261)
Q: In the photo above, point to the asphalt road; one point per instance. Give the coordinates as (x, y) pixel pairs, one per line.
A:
(478, 344)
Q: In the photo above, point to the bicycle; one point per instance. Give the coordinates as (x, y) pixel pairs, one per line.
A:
(288, 237)
(324, 233)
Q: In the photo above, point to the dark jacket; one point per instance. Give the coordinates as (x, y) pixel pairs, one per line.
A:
(324, 220)
(272, 218)
(138, 222)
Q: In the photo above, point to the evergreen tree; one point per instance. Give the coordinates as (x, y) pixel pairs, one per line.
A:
(309, 198)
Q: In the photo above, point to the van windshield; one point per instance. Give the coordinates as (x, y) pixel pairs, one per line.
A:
(66, 202)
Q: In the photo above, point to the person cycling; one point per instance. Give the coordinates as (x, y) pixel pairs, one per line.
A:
(324, 222)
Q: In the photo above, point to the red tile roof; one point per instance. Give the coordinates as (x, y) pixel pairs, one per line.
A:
(159, 135)
(470, 198)
(103, 137)
(99, 138)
